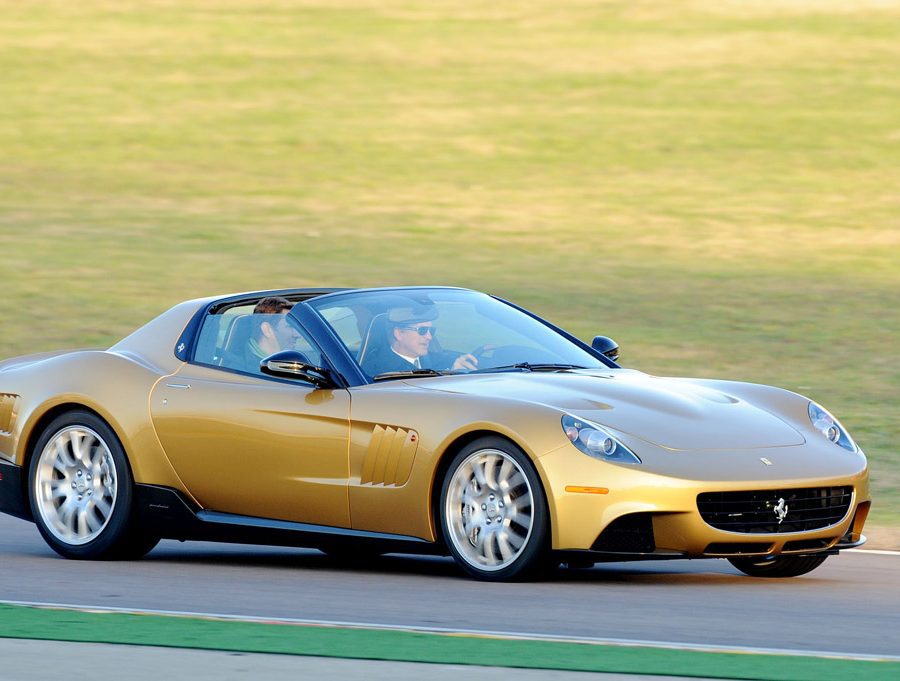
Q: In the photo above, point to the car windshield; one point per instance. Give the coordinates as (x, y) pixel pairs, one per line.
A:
(429, 332)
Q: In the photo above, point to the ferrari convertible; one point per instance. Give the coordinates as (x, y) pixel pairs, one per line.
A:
(416, 420)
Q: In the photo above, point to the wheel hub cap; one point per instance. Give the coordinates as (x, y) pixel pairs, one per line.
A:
(81, 483)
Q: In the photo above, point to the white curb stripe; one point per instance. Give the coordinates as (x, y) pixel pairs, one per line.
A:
(877, 552)
(631, 643)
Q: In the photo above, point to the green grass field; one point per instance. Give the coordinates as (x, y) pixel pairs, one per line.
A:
(715, 184)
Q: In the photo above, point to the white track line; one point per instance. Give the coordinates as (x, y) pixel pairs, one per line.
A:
(631, 643)
(877, 552)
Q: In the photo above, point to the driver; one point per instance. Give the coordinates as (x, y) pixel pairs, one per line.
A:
(411, 331)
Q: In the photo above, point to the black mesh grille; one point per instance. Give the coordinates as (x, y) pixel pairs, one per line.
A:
(629, 534)
(758, 512)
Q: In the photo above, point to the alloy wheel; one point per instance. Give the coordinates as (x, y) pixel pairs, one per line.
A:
(489, 510)
(76, 485)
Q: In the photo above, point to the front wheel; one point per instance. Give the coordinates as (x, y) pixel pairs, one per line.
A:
(80, 491)
(777, 566)
(493, 513)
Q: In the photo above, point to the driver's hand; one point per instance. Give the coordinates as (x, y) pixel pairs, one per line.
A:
(465, 363)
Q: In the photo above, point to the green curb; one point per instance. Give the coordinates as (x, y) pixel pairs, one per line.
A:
(408, 646)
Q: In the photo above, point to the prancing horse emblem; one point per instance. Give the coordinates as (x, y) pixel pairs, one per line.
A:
(781, 510)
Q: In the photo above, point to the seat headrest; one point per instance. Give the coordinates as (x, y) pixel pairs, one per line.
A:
(239, 333)
(375, 333)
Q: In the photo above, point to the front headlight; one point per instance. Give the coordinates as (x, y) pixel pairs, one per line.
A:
(829, 426)
(594, 440)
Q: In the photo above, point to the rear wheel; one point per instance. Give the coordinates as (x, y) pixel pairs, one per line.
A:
(777, 566)
(493, 514)
(80, 491)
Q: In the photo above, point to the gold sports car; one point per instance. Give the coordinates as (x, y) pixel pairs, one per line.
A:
(415, 420)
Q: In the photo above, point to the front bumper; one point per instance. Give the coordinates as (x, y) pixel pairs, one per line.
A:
(645, 515)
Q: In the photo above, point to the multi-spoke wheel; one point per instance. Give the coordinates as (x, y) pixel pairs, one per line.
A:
(777, 566)
(493, 512)
(81, 490)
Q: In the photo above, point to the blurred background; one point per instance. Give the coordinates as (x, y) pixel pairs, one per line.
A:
(713, 183)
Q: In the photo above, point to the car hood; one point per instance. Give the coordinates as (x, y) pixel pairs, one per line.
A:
(673, 413)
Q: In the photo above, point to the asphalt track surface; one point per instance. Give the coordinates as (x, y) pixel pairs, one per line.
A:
(849, 605)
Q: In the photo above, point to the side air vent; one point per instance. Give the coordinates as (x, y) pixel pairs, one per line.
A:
(7, 412)
(390, 456)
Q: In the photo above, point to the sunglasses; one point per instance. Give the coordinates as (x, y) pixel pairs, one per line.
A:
(421, 330)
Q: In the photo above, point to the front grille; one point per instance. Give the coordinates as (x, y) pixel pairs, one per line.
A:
(775, 511)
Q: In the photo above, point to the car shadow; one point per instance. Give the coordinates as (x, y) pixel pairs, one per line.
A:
(646, 573)
(308, 559)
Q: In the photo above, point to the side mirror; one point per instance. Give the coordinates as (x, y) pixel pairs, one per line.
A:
(606, 346)
(293, 364)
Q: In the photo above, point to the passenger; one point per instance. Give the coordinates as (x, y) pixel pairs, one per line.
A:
(271, 335)
(410, 332)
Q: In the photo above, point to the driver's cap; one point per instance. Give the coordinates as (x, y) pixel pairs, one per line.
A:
(412, 314)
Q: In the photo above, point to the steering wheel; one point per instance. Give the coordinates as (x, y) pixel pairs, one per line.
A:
(481, 349)
(502, 355)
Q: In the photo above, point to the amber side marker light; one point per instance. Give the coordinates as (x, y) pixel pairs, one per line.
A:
(587, 490)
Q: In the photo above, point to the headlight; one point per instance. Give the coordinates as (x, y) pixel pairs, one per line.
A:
(829, 426)
(594, 440)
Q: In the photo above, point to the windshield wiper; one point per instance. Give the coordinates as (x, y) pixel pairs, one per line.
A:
(528, 366)
(412, 372)
(520, 366)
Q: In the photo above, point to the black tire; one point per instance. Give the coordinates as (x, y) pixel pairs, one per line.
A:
(117, 535)
(778, 566)
(513, 516)
(137, 545)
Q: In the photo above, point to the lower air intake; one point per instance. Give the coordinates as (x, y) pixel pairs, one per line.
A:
(808, 545)
(732, 549)
(629, 534)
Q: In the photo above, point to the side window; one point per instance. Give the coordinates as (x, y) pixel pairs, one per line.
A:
(216, 333)
(239, 339)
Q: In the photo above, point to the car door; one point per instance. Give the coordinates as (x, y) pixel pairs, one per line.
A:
(256, 446)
